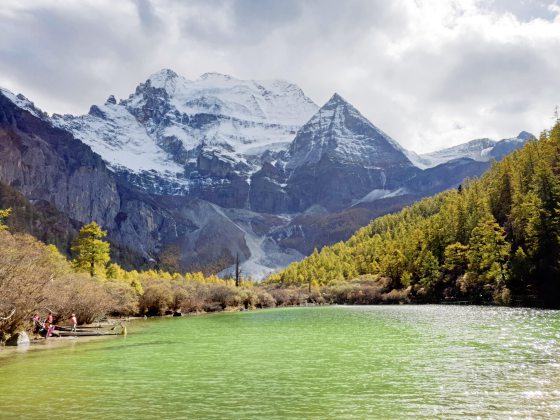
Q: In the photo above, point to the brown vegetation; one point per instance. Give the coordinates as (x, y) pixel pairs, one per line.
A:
(35, 277)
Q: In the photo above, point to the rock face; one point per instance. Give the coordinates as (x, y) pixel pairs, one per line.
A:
(45, 163)
(201, 138)
(190, 174)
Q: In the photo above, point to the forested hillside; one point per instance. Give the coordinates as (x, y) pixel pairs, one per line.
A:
(494, 239)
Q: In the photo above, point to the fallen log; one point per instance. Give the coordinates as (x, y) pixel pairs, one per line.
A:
(62, 333)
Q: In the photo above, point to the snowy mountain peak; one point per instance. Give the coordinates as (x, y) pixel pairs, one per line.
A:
(336, 100)
(481, 150)
(162, 76)
(177, 129)
(111, 100)
(340, 131)
(23, 103)
(215, 76)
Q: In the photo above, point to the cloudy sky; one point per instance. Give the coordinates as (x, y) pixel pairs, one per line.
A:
(431, 73)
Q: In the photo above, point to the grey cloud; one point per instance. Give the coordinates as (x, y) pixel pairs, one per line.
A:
(66, 56)
(259, 14)
(514, 106)
(69, 54)
(485, 68)
(525, 10)
(147, 15)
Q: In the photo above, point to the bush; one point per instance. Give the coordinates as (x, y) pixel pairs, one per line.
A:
(191, 296)
(288, 296)
(79, 294)
(26, 268)
(158, 297)
(397, 296)
(125, 298)
(265, 299)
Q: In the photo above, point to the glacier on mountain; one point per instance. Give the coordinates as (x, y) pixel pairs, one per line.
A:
(169, 122)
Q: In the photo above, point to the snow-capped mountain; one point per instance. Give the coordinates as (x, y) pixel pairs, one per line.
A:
(22, 102)
(208, 169)
(481, 150)
(339, 156)
(176, 129)
(338, 131)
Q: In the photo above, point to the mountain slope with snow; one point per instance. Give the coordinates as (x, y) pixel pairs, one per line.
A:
(169, 122)
(339, 156)
(219, 167)
(339, 131)
(481, 150)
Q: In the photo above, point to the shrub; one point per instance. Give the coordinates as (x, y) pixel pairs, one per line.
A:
(125, 298)
(26, 268)
(265, 299)
(158, 297)
(79, 294)
(397, 296)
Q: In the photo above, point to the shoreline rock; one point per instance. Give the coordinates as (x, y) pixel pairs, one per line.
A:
(19, 339)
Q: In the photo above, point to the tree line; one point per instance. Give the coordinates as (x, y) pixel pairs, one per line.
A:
(494, 239)
(35, 277)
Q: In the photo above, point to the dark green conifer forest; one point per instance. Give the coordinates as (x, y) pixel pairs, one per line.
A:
(494, 239)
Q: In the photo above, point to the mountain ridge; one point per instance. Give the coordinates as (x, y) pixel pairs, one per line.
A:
(221, 195)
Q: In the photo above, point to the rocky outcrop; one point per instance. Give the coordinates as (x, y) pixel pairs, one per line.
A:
(46, 163)
(20, 339)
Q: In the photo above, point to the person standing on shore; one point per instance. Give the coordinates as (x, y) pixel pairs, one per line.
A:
(36, 323)
(74, 322)
(49, 325)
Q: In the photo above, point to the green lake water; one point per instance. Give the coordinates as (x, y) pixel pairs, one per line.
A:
(319, 362)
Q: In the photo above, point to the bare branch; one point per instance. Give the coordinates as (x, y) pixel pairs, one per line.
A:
(9, 316)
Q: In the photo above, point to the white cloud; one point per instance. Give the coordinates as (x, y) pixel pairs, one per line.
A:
(430, 73)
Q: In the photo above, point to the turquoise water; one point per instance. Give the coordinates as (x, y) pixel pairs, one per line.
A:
(322, 362)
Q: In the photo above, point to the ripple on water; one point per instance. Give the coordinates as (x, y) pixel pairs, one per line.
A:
(344, 362)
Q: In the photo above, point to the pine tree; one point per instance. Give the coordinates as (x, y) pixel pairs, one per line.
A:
(92, 253)
(488, 252)
(455, 262)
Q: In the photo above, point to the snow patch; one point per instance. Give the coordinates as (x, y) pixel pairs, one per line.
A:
(378, 194)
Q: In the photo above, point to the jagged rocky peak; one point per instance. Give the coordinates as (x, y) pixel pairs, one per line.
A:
(161, 78)
(169, 122)
(23, 103)
(271, 102)
(111, 100)
(163, 81)
(341, 132)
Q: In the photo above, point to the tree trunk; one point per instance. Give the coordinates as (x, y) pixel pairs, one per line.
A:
(237, 272)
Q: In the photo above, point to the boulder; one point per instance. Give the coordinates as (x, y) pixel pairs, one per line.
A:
(18, 339)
